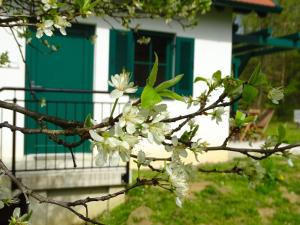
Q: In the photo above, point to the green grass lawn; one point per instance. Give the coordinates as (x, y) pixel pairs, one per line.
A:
(219, 199)
(293, 132)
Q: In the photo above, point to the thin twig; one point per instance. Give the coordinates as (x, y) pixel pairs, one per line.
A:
(18, 44)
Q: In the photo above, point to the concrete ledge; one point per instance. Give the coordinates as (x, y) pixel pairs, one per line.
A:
(97, 177)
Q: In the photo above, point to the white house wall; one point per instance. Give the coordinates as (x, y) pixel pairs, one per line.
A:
(11, 76)
(212, 52)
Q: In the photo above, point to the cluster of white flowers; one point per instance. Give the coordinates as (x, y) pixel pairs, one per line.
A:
(133, 125)
(49, 4)
(112, 145)
(156, 130)
(177, 178)
(276, 94)
(121, 83)
(47, 26)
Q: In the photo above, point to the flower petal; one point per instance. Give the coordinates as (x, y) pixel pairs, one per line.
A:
(95, 136)
(114, 159)
(131, 90)
(39, 33)
(48, 32)
(130, 128)
(63, 31)
(116, 93)
(178, 202)
(101, 159)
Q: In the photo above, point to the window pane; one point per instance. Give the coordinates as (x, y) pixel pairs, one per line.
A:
(160, 47)
(141, 52)
(141, 73)
(161, 74)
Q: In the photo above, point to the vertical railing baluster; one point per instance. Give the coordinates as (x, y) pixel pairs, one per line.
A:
(83, 147)
(46, 143)
(55, 148)
(36, 136)
(24, 150)
(65, 149)
(13, 166)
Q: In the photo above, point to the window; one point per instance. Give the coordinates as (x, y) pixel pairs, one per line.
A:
(127, 53)
(144, 58)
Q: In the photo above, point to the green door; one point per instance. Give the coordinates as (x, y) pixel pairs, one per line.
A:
(71, 67)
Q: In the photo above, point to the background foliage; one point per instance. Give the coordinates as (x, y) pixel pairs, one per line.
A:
(282, 68)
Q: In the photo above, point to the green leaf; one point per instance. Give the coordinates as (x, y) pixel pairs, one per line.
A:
(171, 94)
(152, 77)
(281, 133)
(201, 79)
(149, 97)
(257, 77)
(26, 217)
(185, 136)
(240, 116)
(249, 93)
(169, 83)
(194, 131)
(88, 121)
(250, 119)
(217, 76)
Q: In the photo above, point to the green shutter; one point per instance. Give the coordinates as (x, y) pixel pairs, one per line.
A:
(184, 64)
(121, 55)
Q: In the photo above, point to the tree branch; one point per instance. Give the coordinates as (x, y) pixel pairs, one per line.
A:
(234, 169)
(41, 117)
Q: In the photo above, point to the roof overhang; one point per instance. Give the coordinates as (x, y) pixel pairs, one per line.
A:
(262, 7)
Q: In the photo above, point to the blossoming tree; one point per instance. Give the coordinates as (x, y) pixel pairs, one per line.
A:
(144, 118)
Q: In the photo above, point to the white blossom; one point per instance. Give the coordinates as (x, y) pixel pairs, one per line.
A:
(110, 148)
(177, 178)
(118, 132)
(276, 94)
(190, 101)
(217, 114)
(155, 132)
(199, 145)
(49, 4)
(45, 27)
(290, 162)
(176, 148)
(159, 113)
(178, 202)
(130, 118)
(61, 23)
(141, 158)
(122, 85)
(95, 136)
(112, 145)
